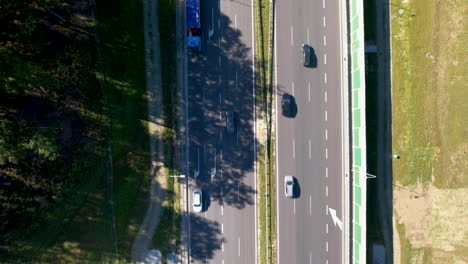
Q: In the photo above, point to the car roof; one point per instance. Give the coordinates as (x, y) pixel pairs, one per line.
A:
(197, 197)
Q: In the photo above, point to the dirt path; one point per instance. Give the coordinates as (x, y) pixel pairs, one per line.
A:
(155, 127)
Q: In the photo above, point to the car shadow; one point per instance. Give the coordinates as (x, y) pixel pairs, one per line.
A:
(313, 58)
(296, 189)
(206, 201)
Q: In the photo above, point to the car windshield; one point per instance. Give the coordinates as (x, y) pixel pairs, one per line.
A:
(289, 183)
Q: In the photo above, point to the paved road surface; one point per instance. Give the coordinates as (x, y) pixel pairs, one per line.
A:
(310, 144)
(220, 79)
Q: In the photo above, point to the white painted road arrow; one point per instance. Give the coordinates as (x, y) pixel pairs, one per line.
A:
(336, 220)
(211, 30)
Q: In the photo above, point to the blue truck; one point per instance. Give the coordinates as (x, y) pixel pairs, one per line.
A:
(192, 11)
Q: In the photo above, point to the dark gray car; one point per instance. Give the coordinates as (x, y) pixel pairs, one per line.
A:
(230, 122)
(306, 55)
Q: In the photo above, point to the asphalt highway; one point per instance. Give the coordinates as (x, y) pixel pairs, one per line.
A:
(310, 144)
(221, 164)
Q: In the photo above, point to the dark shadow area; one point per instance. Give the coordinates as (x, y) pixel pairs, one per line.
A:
(206, 200)
(220, 79)
(75, 96)
(206, 240)
(212, 92)
(296, 189)
(313, 59)
(378, 129)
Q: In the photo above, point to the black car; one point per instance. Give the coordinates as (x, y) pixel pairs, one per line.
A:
(287, 104)
(308, 58)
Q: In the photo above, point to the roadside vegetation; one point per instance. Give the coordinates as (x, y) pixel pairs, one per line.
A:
(429, 130)
(265, 94)
(167, 236)
(74, 159)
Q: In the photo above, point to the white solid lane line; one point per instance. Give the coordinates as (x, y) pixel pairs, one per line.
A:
(292, 36)
(254, 123)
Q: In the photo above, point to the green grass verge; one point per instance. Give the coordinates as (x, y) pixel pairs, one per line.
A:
(429, 109)
(428, 106)
(266, 182)
(167, 236)
(120, 26)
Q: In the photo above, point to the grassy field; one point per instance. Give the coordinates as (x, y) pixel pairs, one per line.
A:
(266, 187)
(429, 129)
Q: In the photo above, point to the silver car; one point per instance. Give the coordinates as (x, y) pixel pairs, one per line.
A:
(197, 201)
(289, 186)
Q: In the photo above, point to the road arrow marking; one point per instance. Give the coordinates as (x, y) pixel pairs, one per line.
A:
(336, 220)
(211, 30)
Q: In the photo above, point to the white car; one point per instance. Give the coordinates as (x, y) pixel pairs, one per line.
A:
(289, 186)
(197, 201)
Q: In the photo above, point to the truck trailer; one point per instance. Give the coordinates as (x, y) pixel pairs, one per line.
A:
(192, 11)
